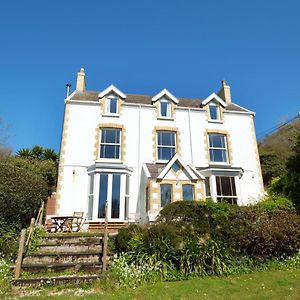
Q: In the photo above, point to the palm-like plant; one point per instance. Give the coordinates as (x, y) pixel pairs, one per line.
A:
(25, 153)
(38, 152)
(50, 154)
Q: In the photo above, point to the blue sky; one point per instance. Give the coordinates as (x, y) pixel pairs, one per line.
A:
(141, 46)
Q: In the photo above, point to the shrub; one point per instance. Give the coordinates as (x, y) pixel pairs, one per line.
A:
(276, 202)
(21, 194)
(264, 235)
(208, 238)
(121, 243)
(5, 277)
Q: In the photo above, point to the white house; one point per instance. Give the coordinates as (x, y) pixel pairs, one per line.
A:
(141, 152)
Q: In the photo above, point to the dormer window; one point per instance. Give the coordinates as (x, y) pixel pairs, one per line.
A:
(112, 105)
(214, 112)
(165, 108)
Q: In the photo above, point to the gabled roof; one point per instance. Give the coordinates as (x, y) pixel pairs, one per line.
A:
(213, 97)
(110, 89)
(160, 170)
(163, 93)
(169, 165)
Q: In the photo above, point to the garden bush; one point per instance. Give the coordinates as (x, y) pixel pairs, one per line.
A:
(207, 238)
(21, 193)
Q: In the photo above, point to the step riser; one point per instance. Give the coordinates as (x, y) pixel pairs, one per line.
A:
(71, 248)
(96, 268)
(70, 240)
(56, 281)
(62, 258)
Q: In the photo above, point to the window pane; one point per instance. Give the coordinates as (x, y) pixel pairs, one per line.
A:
(207, 187)
(225, 186)
(218, 155)
(112, 105)
(176, 167)
(168, 138)
(233, 186)
(91, 191)
(214, 112)
(102, 195)
(115, 197)
(90, 207)
(217, 140)
(165, 194)
(164, 109)
(109, 151)
(188, 192)
(165, 153)
(110, 136)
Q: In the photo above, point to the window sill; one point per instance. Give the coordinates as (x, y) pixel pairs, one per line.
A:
(109, 160)
(111, 115)
(219, 163)
(165, 118)
(216, 121)
(162, 161)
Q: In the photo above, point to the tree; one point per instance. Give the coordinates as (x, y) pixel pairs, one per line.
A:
(289, 183)
(272, 165)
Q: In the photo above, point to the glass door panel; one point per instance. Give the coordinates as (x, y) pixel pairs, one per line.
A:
(115, 197)
(102, 195)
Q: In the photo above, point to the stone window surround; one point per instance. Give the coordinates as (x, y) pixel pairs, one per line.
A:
(153, 187)
(228, 144)
(103, 105)
(97, 141)
(154, 139)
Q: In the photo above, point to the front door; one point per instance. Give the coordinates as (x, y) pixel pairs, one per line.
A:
(110, 191)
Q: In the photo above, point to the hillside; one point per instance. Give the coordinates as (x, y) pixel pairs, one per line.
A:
(281, 141)
(275, 149)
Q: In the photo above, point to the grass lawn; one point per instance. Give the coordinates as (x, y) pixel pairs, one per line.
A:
(277, 284)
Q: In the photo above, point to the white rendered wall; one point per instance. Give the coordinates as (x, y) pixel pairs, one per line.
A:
(139, 122)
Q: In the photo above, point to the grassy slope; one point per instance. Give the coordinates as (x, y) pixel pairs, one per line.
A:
(279, 284)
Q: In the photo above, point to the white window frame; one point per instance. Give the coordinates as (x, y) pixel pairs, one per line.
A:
(165, 146)
(169, 109)
(108, 101)
(110, 144)
(213, 186)
(109, 196)
(218, 148)
(218, 119)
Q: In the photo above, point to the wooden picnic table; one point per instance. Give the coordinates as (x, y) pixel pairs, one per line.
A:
(62, 223)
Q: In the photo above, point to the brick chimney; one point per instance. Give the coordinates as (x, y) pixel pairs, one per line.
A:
(224, 92)
(80, 85)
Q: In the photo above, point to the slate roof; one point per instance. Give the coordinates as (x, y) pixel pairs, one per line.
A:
(155, 169)
(145, 99)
